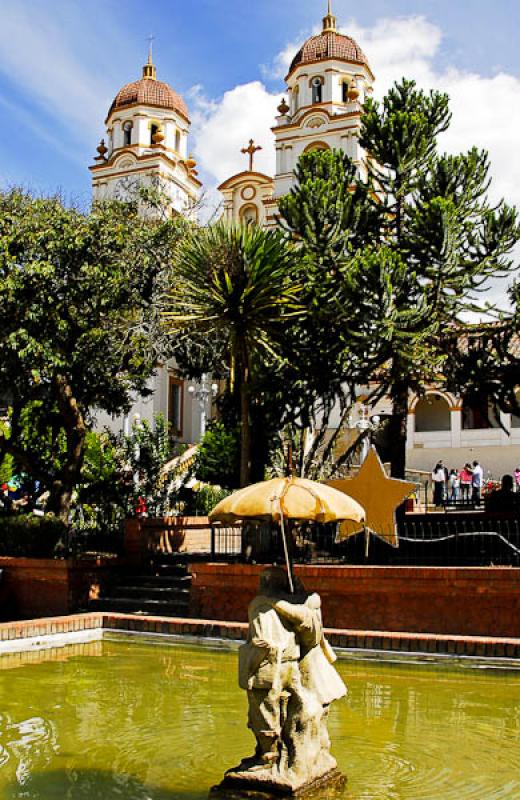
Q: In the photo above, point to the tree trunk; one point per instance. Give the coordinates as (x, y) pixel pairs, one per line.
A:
(245, 434)
(76, 431)
(397, 430)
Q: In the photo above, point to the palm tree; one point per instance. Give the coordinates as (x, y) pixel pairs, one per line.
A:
(233, 285)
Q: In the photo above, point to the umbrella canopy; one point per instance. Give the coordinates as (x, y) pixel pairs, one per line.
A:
(288, 498)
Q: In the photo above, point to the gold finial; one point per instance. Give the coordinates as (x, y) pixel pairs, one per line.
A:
(251, 150)
(283, 108)
(329, 21)
(149, 71)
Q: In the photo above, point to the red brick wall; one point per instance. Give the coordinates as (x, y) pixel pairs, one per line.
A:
(35, 587)
(465, 601)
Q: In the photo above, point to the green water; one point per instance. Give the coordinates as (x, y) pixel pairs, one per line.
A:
(120, 720)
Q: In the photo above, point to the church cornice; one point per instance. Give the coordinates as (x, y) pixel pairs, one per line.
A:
(242, 176)
(117, 113)
(315, 109)
(337, 59)
(106, 169)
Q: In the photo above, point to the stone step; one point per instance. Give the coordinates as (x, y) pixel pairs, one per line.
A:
(156, 581)
(134, 605)
(152, 592)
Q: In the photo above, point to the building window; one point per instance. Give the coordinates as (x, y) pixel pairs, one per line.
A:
(345, 86)
(249, 215)
(127, 134)
(177, 141)
(478, 414)
(432, 413)
(175, 405)
(317, 90)
(153, 130)
(515, 420)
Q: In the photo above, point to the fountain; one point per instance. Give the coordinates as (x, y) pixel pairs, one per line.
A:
(286, 668)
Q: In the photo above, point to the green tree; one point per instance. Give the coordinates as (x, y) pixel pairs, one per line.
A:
(77, 316)
(440, 226)
(395, 260)
(233, 288)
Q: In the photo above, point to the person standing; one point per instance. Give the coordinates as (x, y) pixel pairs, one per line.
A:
(476, 482)
(439, 483)
(453, 486)
(465, 475)
(516, 476)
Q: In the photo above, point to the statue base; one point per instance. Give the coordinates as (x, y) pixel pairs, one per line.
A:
(236, 786)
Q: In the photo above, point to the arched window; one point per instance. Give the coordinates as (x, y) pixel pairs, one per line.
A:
(317, 90)
(345, 86)
(478, 414)
(249, 215)
(127, 134)
(153, 130)
(515, 421)
(432, 413)
(316, 146)
(177, 141)
(296, 97)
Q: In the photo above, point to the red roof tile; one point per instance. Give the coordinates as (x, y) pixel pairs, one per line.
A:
(149, 92)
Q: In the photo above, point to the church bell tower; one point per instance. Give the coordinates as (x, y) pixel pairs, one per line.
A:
(146, 143)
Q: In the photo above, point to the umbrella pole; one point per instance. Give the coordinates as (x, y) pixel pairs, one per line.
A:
(286, 550)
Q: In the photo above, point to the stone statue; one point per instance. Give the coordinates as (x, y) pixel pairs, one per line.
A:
(286, 668)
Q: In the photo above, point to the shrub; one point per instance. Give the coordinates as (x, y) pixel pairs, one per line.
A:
(218, 456)
(207, 497)
(32, 537)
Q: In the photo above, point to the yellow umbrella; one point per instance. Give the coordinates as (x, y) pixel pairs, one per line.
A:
(288, 498)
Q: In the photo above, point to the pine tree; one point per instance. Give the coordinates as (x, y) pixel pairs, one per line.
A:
(438, 219)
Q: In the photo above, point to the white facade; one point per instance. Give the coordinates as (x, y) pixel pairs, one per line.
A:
(322, 110)
(146, 144)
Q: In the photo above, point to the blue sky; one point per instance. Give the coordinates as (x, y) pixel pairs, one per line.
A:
(62, 61)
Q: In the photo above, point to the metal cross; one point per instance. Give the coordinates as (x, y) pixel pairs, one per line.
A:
(251, 150)
(150, 39)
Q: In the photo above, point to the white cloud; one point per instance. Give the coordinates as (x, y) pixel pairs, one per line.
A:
(221, 129)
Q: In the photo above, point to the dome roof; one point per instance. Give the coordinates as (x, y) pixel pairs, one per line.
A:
(326, 45)
(149, 91)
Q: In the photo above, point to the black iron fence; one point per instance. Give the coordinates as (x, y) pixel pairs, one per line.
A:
(426, 540)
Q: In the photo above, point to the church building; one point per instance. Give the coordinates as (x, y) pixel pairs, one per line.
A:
(147, 143)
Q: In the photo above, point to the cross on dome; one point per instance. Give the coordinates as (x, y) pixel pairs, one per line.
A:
(149, 70)
(251, 150)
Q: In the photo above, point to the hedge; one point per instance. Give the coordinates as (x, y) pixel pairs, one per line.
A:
(26, 535)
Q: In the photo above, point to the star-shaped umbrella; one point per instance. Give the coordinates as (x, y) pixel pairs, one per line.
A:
(379, 495)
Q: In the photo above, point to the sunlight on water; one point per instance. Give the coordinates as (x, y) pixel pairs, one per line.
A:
(120, 720)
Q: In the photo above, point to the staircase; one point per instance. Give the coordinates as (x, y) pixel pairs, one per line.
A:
(163, 590)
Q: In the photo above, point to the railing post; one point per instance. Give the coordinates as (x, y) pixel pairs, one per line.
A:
(212, 542)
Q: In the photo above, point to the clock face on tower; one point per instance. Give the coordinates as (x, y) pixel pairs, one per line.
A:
(126, 188)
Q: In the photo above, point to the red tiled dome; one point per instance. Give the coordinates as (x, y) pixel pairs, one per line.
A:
(329, 44)
(149, 92)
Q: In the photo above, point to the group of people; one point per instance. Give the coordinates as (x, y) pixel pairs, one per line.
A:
(454, 485)
(466, 485)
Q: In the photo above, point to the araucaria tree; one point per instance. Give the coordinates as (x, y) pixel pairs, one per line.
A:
(233, 292)
(76, 315)
(404, 254)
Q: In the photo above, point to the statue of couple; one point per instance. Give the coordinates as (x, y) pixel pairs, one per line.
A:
(286, 668)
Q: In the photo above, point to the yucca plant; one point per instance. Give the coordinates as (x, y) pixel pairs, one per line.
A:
(234, 285)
